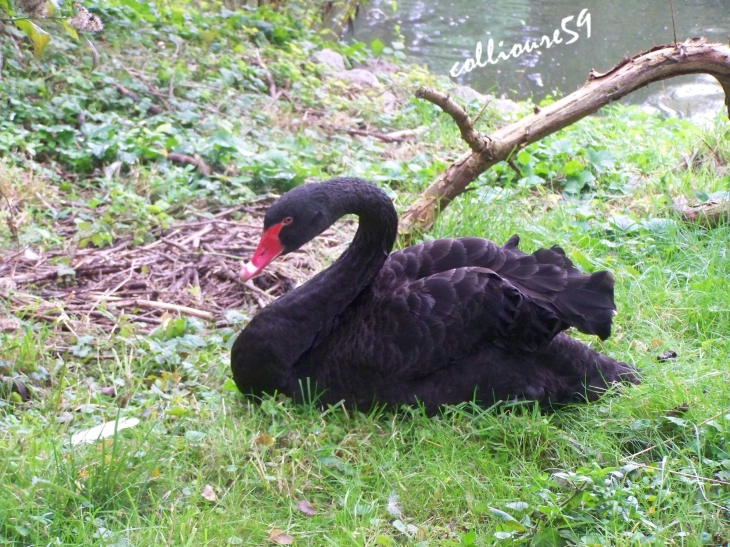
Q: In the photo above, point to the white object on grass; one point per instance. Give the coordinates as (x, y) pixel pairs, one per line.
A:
(102, 431)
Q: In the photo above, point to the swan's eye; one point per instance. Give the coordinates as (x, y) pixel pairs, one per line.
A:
(287, 220)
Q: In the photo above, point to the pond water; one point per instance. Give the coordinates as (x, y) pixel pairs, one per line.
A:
(443, 33)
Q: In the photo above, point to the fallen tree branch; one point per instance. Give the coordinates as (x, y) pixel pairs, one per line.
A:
(708, 214)
(269, 78)
(199, 163)
(123, 91)
(662, 62)
(395, 136)
(476, 141)
(173, 307)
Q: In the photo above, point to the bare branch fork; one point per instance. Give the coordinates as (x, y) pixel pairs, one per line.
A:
(660, 63)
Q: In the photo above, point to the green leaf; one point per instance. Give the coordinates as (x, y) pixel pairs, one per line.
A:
(581, 259)
(468, 538)
(337, 463)
(377, 47)
(5, 5)
(509, 523)
(550, 511)
(600, 160)
(385, 541)
(69, 29)
(230, 385)
(623, 222)
(38, 36)
(586, 177)
(140, 8)
(501, 514)
(524, 157)
(176, 328)
(548, 538)
(531, 180)
(177, 411)
(677, 421)
(571, 186)
(573, 167)
(195, 436)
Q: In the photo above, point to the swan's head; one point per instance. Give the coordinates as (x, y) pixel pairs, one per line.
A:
(295, 218)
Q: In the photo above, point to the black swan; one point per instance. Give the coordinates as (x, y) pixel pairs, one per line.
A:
(442, 322)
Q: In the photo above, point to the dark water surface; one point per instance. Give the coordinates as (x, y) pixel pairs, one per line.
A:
(441, 33)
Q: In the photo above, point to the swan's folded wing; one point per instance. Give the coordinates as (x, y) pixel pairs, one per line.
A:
(546, 277)
(434, 321)
(432, 257)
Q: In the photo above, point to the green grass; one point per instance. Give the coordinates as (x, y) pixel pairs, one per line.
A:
(451, 475)
(470, 476)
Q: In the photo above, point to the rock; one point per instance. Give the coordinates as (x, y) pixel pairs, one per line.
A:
(328, 58)
(503, 106)
(379, 66)
(468, 94)
(358, 76)
(699, 100)
(389, 101)
(506, 106)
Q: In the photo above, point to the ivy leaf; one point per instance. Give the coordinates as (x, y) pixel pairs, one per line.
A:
(38, 36)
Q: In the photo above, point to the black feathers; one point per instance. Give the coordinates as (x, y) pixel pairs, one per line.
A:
(435, 323)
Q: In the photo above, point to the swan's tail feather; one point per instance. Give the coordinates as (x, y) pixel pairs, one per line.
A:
(549, 278)
(588, 304)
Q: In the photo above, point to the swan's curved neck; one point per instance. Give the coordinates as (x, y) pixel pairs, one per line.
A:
(291, 324)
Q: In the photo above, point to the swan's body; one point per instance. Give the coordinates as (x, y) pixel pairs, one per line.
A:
(438, 323)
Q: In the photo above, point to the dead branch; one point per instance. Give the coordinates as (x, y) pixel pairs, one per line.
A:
(132, 95)
(709, 214)
(269, 78)
(199, 163)
(395, 136)
(476, 141)
(173, 307)
(662, 62)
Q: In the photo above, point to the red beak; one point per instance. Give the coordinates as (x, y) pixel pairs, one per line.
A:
(269, 248)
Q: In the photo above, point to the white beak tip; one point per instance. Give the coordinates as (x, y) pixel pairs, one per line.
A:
(248, 270)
